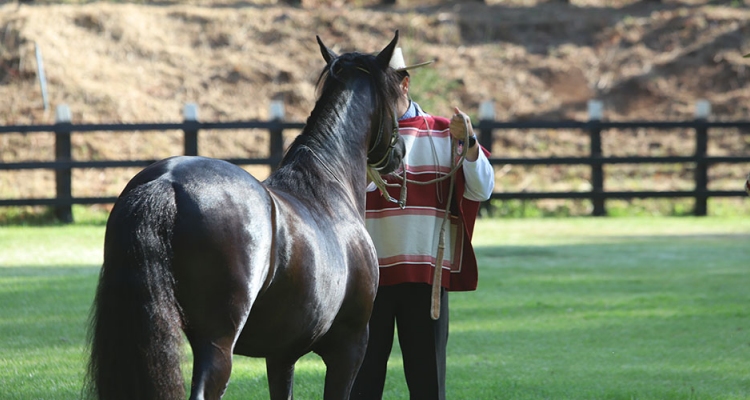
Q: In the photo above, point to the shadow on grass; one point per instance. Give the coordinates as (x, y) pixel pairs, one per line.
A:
(94, 215)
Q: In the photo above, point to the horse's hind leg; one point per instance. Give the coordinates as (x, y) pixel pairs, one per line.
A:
(212, 365)
(214, 319)
(342, 353)
(280, 372)
(212, 333)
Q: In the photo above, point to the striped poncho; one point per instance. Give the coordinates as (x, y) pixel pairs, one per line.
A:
(407, 240)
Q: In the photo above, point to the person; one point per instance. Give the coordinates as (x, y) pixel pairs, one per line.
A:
(406, 241)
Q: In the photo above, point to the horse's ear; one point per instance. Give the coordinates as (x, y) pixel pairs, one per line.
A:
(384, 57)
(328, 55)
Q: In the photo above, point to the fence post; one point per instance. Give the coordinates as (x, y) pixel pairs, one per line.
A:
(190, 117)
(702, 112)
(597, 173)
(486, 118)
(276, 144)
(64, 208)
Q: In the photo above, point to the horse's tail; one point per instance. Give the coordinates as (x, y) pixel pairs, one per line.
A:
(135, 324)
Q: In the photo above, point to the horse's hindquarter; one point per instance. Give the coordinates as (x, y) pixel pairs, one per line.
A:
(325, 272)
(221, 241)
(261, 261)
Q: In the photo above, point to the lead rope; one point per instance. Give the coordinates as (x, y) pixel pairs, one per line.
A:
(375, 177)
(437, 277)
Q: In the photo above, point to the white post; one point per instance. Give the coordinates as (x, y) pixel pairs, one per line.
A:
(62, 114)
(276, 111)
(190, 112)
(487, 110)
(702, 109)
(596, 110)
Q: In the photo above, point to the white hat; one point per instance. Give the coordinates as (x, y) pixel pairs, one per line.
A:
(398, 63)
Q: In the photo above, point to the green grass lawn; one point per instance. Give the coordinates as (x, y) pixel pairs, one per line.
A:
(577, 308)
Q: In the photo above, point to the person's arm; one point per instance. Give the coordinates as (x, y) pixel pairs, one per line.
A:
(480, 177)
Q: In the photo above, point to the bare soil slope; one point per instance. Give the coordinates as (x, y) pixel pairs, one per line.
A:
(143, 62)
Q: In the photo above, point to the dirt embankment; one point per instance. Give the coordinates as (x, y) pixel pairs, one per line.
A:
(133, 62)
(143, 62)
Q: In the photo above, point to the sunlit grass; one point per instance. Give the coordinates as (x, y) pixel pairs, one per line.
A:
(579, 308)
(608, 308)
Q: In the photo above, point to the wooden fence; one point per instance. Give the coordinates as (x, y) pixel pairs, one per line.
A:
(63, 164)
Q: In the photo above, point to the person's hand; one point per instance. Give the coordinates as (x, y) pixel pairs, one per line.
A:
(458, 124)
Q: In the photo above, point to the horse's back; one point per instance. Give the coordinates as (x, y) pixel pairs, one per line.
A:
(212, 196)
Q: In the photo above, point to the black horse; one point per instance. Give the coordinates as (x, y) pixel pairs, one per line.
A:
(274, 269)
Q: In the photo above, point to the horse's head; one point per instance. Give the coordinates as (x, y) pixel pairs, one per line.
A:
(386, 147)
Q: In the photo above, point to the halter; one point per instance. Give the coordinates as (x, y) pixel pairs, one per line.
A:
(383, 162)
(380, 165)
(373, 170)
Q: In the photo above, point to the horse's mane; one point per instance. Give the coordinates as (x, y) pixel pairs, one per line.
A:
(332, 140)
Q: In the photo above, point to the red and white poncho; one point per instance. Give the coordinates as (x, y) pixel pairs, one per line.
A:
(407, 240)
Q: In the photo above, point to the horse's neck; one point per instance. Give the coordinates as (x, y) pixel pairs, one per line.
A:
(332, 148)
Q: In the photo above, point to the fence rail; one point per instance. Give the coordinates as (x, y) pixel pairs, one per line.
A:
(64, 164)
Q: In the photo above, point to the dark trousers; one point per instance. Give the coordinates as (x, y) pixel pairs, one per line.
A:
(423, 342)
